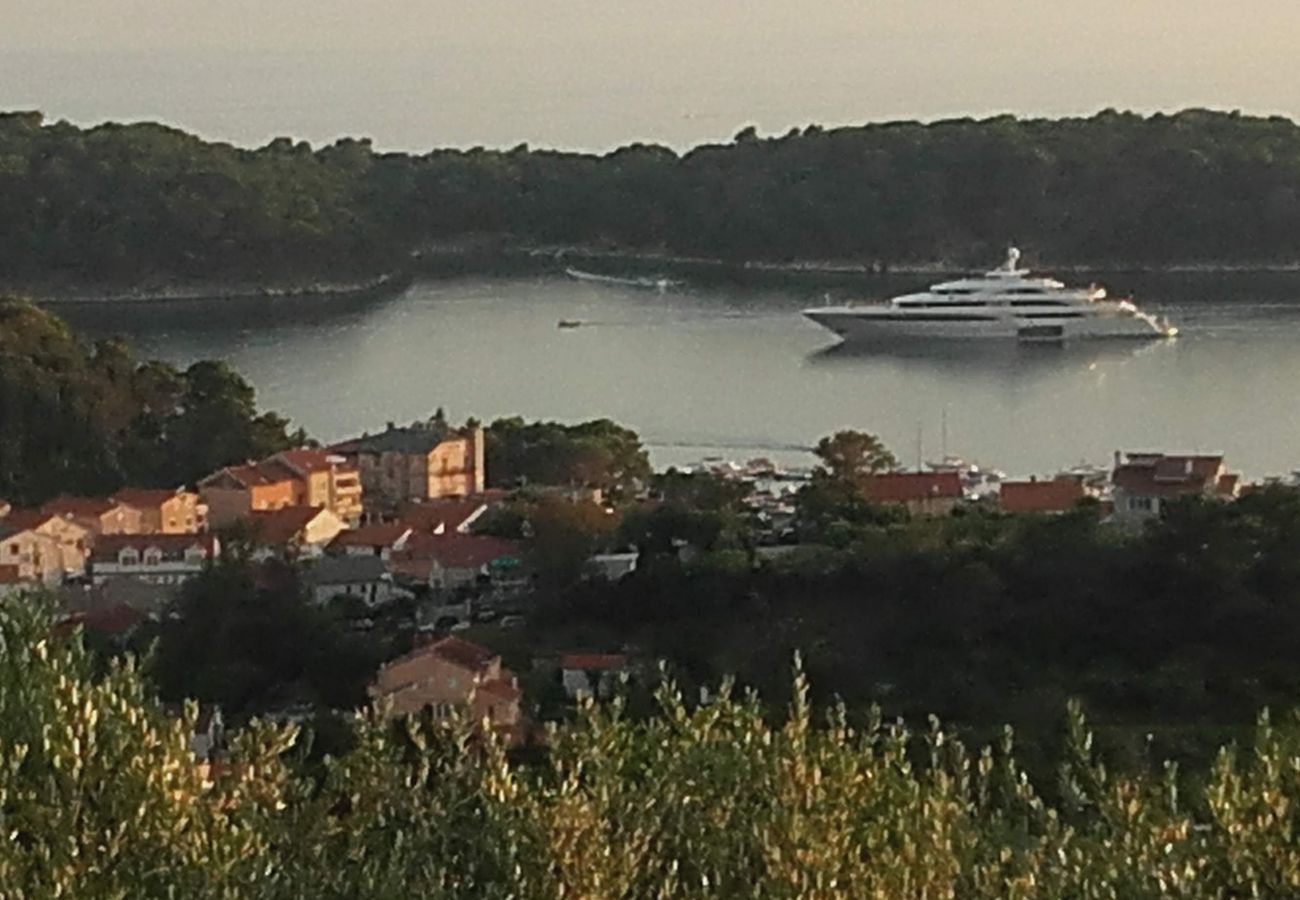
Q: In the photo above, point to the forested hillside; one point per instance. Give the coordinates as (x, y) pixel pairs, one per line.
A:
(82, 419)
(146, 204)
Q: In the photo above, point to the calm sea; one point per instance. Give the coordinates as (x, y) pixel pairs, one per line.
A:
(738, 372)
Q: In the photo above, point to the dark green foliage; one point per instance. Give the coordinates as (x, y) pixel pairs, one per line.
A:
(250, 639)
(146, 204)
(89, 420)
(598, 454)
(985, 618)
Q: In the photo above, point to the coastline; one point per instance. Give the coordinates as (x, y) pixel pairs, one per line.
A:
(495, 259)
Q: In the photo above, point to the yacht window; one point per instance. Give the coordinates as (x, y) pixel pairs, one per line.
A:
(955, 292)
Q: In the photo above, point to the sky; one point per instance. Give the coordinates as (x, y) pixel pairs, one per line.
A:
(596, 74)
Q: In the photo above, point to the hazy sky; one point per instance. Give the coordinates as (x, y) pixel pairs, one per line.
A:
(593, 74)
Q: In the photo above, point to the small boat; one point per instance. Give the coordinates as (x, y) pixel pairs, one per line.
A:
(569, 323)
(659, 284)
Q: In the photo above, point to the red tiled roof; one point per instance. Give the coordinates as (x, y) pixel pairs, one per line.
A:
(1151, 474)
(142, 498)
(384, 534)
(462, 551)
(9, 575)
(113, 620)
(81, 506)
(461, 652)
(1041, 496)
(900, 487)
(29, 519)
(312, 459)
(499, 689)
(450, 514)
(273, 527)
(593, 661)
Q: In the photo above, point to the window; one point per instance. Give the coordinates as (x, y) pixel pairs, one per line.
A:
(13, 550)
(453, 682)
(153, 557)
(1141, 504)
(129, 557)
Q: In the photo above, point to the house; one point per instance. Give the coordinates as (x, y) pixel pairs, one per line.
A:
(423, 461)
(294, 531)
(73, 540)
(208, 741)
(1056, 495)
(326, 480)
(303, 477)
(176, 511)
(381, 539)
(595, 674)
(35, 557)
(99, 515)
(363, 577)
(162, 559)
(922, 493)
(447, 676)
(1143, 482)
(447, 562)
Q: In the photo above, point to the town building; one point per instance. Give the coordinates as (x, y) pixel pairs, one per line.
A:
(165, 511)
(98, 515)
(1055, 495)
(922, 493)
(1142, 483)
(161, 559)
(364, 577)
(73, 540)
(423, 461)
(449, 515)
(303, 477)
(592, 674)
(34, 557)
(448, 562)
(293, 531)
(381, 539)
(451, 676)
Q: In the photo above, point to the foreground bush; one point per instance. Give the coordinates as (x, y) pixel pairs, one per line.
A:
(99, 797)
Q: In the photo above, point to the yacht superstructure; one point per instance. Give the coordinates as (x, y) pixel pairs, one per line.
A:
(1007, 302)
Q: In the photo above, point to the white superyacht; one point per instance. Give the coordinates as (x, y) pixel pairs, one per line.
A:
(1007, 302)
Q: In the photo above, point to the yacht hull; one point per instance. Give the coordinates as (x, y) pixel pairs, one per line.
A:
(870, 326)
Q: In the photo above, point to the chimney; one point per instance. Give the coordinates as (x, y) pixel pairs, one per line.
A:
(1119, 459)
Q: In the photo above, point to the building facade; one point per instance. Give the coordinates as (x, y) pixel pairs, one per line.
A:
(423, 461)
(451, 676)
(167, 512)
(162, 559)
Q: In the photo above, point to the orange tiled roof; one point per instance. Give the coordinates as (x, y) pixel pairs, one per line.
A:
(9, 575)
(500, 688)
(1041, 496)
(449, 514)
(900, 487)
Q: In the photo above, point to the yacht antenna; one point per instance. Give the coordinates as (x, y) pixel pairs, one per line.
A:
(944, 440)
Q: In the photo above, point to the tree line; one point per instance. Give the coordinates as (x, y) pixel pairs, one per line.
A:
(89, 419)
(147, 204)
